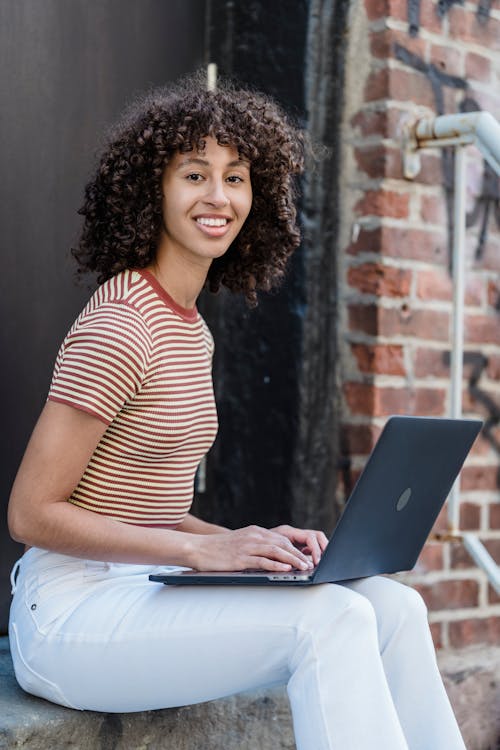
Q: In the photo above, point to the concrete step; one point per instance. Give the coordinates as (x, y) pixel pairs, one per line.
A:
(249, 721)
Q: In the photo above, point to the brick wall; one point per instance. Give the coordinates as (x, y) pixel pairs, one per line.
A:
(408, 59)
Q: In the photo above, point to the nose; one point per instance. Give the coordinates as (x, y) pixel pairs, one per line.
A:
(216, 194)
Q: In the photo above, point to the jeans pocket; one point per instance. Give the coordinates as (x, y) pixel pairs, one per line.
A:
(50, 593)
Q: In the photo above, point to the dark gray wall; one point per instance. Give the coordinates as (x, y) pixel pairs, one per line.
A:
(67, 67)
(276, 456)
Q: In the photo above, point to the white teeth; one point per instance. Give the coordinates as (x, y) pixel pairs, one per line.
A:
(212, 222)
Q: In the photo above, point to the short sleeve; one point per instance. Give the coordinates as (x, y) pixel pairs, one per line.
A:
(102, 361)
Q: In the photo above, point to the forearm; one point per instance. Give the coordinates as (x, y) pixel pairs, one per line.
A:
(193, 525)
(65, 528)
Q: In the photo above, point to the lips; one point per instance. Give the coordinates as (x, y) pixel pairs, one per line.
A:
(213, 226)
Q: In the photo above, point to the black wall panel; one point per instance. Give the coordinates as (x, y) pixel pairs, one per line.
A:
(67, 67)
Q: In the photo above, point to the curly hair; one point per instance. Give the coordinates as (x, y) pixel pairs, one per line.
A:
(123, 201)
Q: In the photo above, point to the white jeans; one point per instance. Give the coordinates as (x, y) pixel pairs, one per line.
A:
(358, 659)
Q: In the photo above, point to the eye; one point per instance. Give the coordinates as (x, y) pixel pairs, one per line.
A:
(194, 177)
(234, 179)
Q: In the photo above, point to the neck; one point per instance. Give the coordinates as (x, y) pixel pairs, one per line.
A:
(181, 278)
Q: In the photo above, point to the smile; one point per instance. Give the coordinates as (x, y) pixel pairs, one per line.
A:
(212, 222)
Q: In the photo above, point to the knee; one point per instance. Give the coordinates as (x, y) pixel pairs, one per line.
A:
(332, 606)
(353, 611)
(413, 605)
(405, 613)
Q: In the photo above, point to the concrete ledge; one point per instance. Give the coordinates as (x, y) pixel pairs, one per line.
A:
(244, 722)
(249, 721)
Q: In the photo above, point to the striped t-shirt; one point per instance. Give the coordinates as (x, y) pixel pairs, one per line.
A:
(142, 364)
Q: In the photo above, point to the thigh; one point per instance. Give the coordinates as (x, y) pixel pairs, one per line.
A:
(132, 645)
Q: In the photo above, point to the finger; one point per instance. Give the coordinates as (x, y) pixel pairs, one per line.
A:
(264, 563)
(286, 543)
(323, 540)
(312, 545)
(289, 555)
(297, 551)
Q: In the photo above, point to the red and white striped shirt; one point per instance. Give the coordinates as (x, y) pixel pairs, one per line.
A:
(142, 364)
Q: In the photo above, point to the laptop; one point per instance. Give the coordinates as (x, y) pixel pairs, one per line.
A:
(389, 514)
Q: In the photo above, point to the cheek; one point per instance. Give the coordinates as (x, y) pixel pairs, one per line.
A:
(246, 205)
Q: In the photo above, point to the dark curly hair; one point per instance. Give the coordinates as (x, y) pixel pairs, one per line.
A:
(123, 201)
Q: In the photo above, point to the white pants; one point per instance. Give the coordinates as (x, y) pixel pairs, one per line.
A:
(358, 659)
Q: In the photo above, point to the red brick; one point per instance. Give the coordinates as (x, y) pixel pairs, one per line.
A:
(384, 203)
(367, 241)
(383, 359)
(429, 402)
(414, 244)
(399, 85)
(465, 27)
(493, 547)
(431, 170)
(359, 439)
(363, 318)
(470, 516)
(431, 363)
(450, 594)
(477, 67)
(383, 43)
(431, 558)
(437, 634)
(493, 367)
(384, 122)
(377, 85)
(423, 324)
(384, 281)
(460, 558)
(482, 329)
(481, 446)
(494, 516)
(377, 160)
(434, 285)
(446, 59)
(490, 259)
(394, 242)
(473, 631)
(371, 122)
(494, 295)
(433, 209)
(479, 478)
(493, 597)
(360, 398)
(474, 286)
(372, 400)
(429, 19)
(441, 523)
(381, 8)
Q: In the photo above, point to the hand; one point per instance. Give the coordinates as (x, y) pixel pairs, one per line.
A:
(310, 542)
(250, 548)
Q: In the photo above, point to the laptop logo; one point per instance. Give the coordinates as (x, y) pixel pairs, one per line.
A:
(404, 499)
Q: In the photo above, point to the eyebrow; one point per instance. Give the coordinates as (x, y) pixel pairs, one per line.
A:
(205, 163)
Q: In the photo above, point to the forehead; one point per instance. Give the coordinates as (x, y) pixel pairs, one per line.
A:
(213, 154)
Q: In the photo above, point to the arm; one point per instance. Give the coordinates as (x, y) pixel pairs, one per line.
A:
(194, 525)
(39, 515)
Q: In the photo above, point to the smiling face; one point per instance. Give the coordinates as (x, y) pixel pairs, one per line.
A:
(206, 198)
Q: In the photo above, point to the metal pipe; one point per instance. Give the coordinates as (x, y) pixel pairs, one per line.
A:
(458, 130)
(483, 559)
(482, 126)
(457, 337)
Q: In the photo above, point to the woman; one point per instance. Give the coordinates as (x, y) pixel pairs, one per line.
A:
(194, 188)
